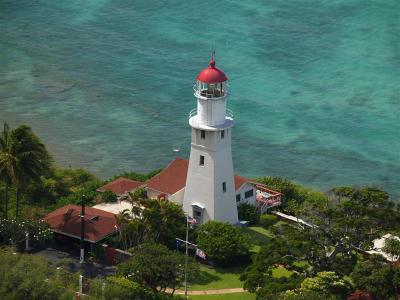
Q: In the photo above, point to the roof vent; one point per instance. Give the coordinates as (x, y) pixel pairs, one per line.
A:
(95, 218)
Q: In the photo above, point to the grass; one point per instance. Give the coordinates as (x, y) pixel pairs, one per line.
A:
(234, 296)
(259, 236)
(218, 278)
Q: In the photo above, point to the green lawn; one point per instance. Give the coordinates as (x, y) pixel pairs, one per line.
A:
(234, 296)
(258, 235)
(218, 278)
(223, 278)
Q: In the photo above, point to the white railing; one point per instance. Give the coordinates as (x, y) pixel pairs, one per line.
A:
(229, 113)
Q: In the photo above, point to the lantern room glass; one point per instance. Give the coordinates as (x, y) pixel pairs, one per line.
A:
(211, 90)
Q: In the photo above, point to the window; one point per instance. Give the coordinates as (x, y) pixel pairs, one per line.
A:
(201, 160)
(238, 198)
(203, 134)
(248, 194)
(222, 134)
(224, 187)
(197, 213)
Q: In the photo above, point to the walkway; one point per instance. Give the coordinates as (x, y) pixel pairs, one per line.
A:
(211, 292)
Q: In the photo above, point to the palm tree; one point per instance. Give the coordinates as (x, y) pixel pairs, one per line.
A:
(23, 157)
(122, 219)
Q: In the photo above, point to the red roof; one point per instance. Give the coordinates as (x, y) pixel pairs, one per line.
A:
(239, 181)
(66, 220)
(120, 186)
(211, 74)
(172, 179)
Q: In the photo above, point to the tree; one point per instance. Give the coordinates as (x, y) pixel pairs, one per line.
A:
(222, 242)
(122, 219)
(165, 221)
(32, 277)
(119, 288)
(327, 283)
(248, 212)
(23, 157)
(377, 276)
(392, 247)
(268, 220)
(157, 267)
(109, 196)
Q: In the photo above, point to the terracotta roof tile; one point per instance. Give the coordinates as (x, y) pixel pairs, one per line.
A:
(172, 179)
(120, 186)
(239, 181)
(66, 220)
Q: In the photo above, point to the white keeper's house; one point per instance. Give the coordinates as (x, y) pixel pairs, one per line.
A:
(205, 185)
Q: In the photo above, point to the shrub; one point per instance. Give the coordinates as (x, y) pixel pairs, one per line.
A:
(109, 197)
(267, 220)
(248, 212)
(26, 276)
(119, 288)
(14, 231)
(222, 242)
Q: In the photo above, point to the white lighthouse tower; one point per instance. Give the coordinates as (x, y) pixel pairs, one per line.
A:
(210, 191)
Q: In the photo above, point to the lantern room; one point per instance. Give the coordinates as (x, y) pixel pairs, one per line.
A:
(211, 82)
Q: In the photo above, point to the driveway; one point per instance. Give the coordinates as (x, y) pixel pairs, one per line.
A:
(70, 260)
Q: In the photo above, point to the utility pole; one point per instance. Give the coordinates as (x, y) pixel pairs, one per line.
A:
(187, 252)
(82, 254)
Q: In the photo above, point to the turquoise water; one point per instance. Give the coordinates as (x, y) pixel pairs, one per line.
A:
(108, 84)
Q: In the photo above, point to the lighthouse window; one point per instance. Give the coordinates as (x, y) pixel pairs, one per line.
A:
(222, 134)
(203, 134)
(224, 187)
(201, 163)
(249, 194)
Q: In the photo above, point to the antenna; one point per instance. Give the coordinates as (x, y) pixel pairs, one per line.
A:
(213, 54)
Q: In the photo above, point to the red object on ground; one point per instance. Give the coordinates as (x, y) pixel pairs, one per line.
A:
(67, 221)
(211, 74)
(120, 186)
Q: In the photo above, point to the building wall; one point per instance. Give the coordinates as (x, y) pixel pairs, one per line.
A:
(153, 194)
(204, 183)
(242, 190)
(177, 198)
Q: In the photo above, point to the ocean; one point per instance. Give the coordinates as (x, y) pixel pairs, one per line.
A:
(107, 85)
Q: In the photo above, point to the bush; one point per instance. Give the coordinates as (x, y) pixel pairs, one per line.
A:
(14, 231)
(109, 197)
(267, 220)
(248, 212)
(119, 288)
(222, 242)
(26, 276)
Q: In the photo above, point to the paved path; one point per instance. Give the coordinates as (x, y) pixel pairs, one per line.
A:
(211, 292)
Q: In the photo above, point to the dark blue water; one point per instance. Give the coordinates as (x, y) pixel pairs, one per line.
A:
(108, 84)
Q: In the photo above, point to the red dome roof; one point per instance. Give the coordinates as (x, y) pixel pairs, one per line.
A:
(211, 74)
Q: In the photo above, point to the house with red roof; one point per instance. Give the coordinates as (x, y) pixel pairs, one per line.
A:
(170, 184)
(121, 186)
(66, 221)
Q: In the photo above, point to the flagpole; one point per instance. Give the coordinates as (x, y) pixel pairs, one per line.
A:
(186, 256)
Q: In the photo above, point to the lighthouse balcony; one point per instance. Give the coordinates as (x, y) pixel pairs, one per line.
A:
(196, 121)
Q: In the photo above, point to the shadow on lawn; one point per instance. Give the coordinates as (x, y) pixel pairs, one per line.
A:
(205, 278)
(256, 237)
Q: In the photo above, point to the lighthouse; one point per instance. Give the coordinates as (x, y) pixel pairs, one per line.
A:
(210, 190)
